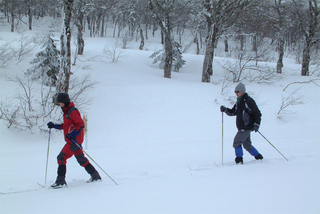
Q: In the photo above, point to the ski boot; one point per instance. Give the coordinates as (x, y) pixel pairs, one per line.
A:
(239, 160)
(93, 172)
(94, 177)
(258, 157)
(60, 182)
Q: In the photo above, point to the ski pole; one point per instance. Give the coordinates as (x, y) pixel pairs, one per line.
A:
(93, 160)
(45, 179)
(272, 145)
(222, 139)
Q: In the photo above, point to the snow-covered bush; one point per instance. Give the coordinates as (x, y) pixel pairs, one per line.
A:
(46, 65)
(177, 63)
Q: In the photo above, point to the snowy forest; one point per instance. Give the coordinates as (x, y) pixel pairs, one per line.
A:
(251, 31)
(149, 78)
(283, 24)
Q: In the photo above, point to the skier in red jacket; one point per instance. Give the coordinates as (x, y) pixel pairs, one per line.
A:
(72, 127)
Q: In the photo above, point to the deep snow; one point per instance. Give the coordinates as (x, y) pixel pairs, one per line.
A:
(160, 140)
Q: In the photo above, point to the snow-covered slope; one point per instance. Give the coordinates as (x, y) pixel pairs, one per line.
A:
(161, 141)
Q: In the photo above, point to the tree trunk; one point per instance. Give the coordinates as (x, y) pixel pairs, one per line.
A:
(168, 53)
(119, 28)
(305, 61)
(12, 22)
(242, 42)
(280, 60)
(30, 17)
(310, 36)
(254, 43)
(154, 29)
(67, 69)
(147, 31)
(61, 80)
(80, 41)
(142, 39)
(65, 38)
(162, 35)
(115, 27)
(102, 26)
(91, 24)
(195, 40)
(226, 46)
(207, 70)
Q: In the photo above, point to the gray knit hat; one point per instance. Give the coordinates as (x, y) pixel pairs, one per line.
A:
(240, 87)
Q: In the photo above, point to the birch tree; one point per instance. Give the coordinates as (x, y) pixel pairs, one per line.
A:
(219, 15)
(65, 39)
(80, 10)
(280, 27)
(308, 21)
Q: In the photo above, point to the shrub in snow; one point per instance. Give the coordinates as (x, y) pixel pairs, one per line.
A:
(289, 101)
(113, 51)
(6, 54)
(33, 105)
(26, 45)
(250, 65)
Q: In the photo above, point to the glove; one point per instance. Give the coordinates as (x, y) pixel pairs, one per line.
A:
(255, 127)
(72, 134)
(52, 125)
(223, 109)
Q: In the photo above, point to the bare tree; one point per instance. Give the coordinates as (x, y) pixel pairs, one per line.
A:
(308, 20)
(220, 15)
(12, 7)
(280, 23)
(289, 101)
(79, 13)
(6, 54)
(113, 50)
(165, 13)
(26, 45)
(245, 65)
(31, 108)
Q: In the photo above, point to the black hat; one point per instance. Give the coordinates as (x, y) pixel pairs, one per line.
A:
(63, 98)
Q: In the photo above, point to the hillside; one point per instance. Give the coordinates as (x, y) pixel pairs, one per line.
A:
(161, 141)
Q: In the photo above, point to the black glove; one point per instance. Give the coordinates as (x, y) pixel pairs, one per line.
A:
(52, 125)
(223, 108)
(255, 127)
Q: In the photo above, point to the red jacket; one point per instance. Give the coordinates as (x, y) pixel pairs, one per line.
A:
(72, 120)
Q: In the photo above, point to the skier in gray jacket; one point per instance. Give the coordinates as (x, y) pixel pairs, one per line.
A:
(248, 119)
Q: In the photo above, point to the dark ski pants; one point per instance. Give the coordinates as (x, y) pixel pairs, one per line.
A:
(242, 138)
(68, 151)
